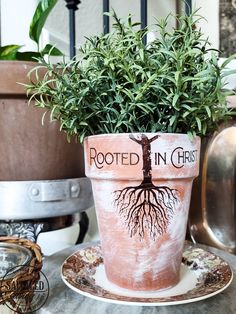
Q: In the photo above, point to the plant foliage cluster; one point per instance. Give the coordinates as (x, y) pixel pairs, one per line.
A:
(120, 84)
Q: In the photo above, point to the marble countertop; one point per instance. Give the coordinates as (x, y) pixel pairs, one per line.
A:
(64, 300)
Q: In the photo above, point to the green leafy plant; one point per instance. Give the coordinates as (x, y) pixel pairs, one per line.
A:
(119, 84)
(11, 52)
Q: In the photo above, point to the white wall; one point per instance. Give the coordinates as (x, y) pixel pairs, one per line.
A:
(15, 20)
(88, 21)
(209, 10)
(89, 18)
(16, 16)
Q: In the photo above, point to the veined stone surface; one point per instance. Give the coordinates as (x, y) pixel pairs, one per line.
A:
(64, 300)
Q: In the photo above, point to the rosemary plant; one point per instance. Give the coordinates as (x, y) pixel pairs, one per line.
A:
(118, 84)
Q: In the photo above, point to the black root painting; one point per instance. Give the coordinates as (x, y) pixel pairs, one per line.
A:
(146, 207)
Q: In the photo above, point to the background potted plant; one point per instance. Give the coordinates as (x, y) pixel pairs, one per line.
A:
(32, 155)
(139, 109)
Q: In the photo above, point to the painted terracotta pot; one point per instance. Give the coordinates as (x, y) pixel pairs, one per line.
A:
(142, 187)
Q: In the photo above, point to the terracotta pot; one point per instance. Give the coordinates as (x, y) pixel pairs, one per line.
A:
(28, 150)
(142, 186)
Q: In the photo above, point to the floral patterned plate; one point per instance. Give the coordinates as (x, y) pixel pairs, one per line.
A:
(203, 274)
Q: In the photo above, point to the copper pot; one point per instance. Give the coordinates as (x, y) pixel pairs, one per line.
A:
(212, 217)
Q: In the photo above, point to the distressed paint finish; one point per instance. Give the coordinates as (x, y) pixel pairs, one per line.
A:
(115, 162)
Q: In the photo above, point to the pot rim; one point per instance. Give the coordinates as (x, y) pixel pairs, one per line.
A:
(138, 133)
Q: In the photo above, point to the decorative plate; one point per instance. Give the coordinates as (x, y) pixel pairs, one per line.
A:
(203, 274)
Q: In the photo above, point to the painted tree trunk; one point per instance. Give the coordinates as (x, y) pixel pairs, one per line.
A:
(142, 186)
